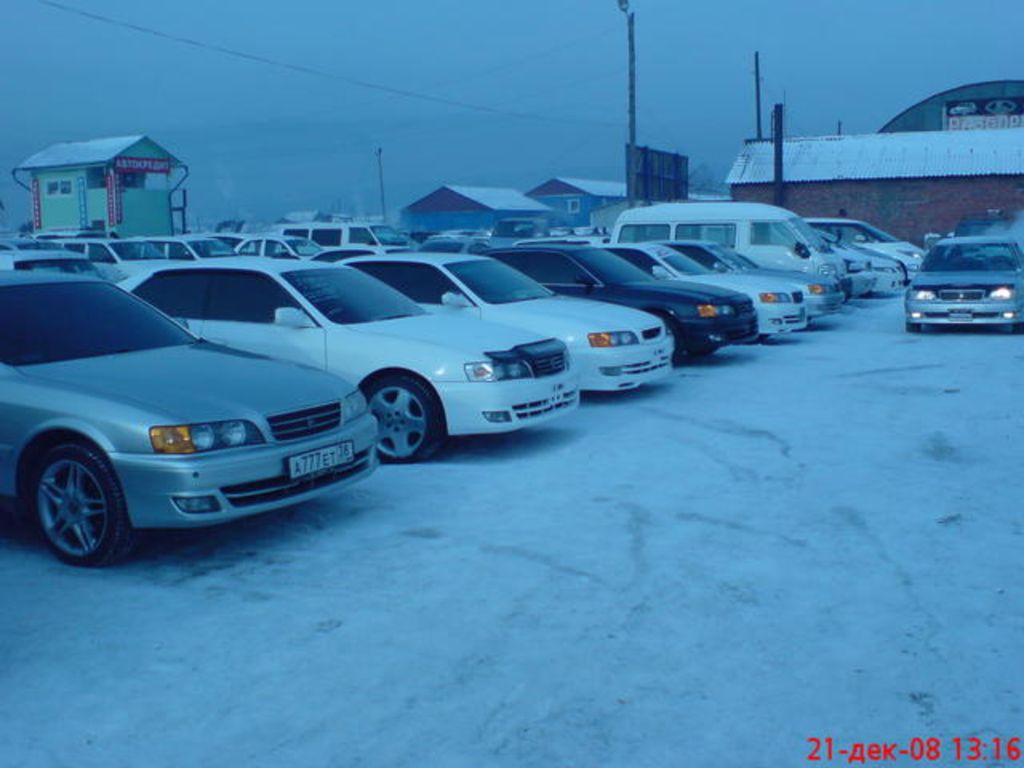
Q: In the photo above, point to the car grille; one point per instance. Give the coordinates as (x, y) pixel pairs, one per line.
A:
(646, 367)
(309, 421)
(651, 333)
(798, 297)
(744, 308)
(281, 487)
(536, 408)
(546, 358)
(961, 294)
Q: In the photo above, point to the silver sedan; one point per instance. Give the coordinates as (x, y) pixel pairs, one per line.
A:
(114, 418)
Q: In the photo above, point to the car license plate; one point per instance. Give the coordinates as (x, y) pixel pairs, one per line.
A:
(961, 314)
(321, 460)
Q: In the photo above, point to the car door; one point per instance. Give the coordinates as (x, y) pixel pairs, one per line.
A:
(239, 312)
(277, 249)
(180, 294)
(425, 284)
(250, 248)
(104, 260)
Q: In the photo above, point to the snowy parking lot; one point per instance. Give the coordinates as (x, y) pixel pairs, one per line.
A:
(817, 537)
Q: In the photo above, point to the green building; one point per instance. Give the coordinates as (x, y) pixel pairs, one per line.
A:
(121, 185)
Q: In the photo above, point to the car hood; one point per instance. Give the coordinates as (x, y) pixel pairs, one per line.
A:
(465, 335)
(684, 291)
(196, 382)
(995, 279)
(563, 314)
(745, 283)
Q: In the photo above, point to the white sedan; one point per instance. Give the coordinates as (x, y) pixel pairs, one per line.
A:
(613, 347)
(779, 302)
(426, 376)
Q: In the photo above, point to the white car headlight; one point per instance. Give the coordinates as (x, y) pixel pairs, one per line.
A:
(612, 339)
(488, 370)
(1002, 293)
(775, 298)
(353, 406)
(923, 295)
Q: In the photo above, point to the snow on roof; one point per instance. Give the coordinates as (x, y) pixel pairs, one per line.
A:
(596, 188)
(922, 154)
(499, 198)
(90, 152)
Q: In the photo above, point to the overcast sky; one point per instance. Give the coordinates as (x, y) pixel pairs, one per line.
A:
(262, 140)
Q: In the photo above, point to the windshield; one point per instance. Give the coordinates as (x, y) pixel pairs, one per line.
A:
(519, 229)
(810, 235)
(609, 268)
(388, 236)
(344, 295)
(498, 283)
(972, 257)
(684, 264)
(136, 250)
(211, 249)
(95, 319)
(733, 258)
(303, 247)
(442, 246)
(704, 255)
(67, 266)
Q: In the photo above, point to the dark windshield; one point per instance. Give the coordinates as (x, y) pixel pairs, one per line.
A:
(442, 246)
(609, 268)
(68, 266)
(972, 257)
(388, 236)
(498, 283)
(211, 249)
(136, 251)
(344, 295)
(95, 319)
(685, 264)
(707, 256)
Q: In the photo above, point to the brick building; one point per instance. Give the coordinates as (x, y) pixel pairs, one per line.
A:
(909, 184)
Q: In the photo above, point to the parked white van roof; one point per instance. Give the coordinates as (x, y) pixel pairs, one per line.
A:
(703, 211)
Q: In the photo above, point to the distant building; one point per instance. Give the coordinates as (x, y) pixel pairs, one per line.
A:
(957, 154)
(573, 200)
(118, 185)
(459, 207)
(908, 184)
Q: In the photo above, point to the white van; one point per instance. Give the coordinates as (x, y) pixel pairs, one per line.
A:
(331, 234)
(772, 237)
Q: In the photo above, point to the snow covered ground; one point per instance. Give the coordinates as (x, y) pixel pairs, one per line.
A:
(821, 537)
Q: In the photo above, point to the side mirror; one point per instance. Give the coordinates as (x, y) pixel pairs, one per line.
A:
(292, 317)
(802, 251)
(586, 281)
(456, 300)
(660, 272)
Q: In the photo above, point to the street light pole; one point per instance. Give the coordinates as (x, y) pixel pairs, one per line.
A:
(631, 150)
(380, 178)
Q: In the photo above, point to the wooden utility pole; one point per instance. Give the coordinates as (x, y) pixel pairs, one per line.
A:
(380, 178)
(777, 136)
(757, 92)
(631, 148)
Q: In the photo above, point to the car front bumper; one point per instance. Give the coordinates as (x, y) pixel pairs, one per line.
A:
(964, 313)
(242, 482)
(889, 282)
(473, 408)
(699, 334)
(613, 368)
(861, 283)
(780, 318)
(819, 304)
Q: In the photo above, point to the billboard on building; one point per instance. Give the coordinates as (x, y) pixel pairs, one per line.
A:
(975, 114)
(656, 176)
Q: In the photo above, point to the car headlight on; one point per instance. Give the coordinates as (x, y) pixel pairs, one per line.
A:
(198, 438)
(612, 339)
(775, 298)
(493, 370)
(816, 288)
(923, 295)
(353, 406)
(707, 310)
(1002, 293)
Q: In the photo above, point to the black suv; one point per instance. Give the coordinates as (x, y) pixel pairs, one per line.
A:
(702, 317)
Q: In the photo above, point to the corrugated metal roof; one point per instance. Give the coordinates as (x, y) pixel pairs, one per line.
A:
(499, 198)
(92, 152)
(924, 154)
(596, 188)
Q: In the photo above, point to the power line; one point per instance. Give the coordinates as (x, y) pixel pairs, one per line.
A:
(305, 70)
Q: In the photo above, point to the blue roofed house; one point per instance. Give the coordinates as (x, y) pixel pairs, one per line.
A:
(458, 207)
(573, 200)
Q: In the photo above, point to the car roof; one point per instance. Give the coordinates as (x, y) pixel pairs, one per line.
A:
(177, 238)
(41, 254)
(556, 247)
(979, 239)
(252, 263)
(662, 213)
(420, 257)
(18, 277)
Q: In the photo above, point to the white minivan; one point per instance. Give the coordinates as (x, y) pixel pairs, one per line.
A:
(331, 234)
(772, 237)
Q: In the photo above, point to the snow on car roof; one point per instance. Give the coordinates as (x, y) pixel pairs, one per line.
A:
(421, 257)
(885, 156)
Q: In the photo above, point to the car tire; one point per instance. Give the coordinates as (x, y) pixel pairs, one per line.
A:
(410, 418)
(74, 495)
(913, 327)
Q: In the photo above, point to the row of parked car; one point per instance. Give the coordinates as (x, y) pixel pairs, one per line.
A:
(213, 383)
